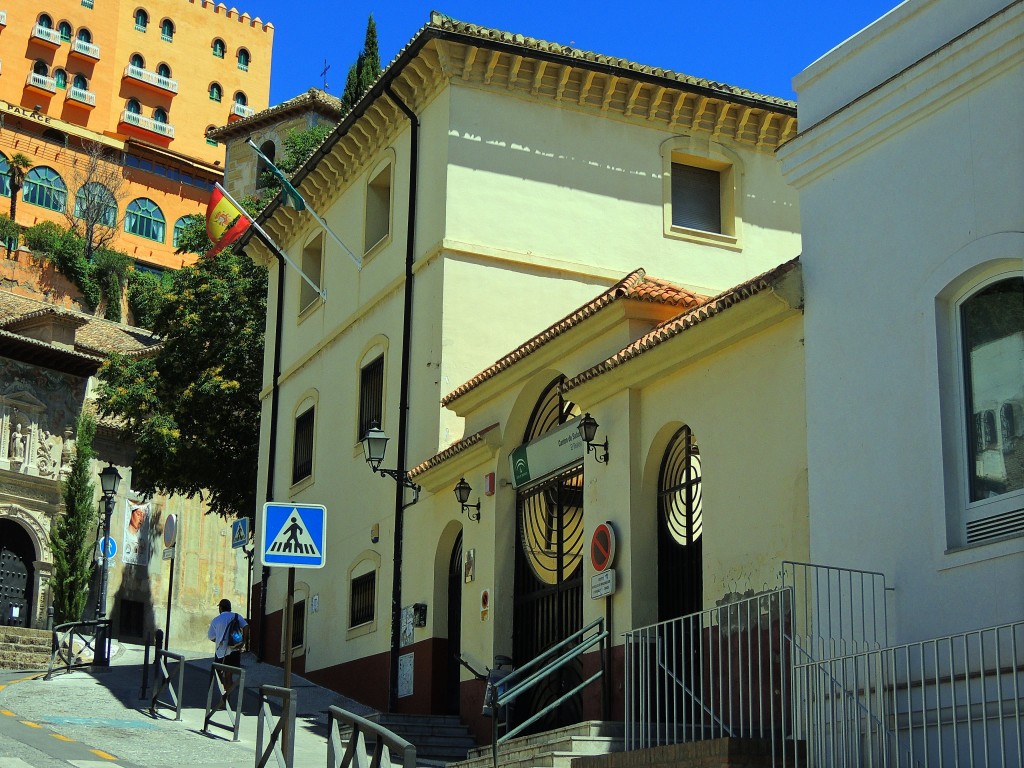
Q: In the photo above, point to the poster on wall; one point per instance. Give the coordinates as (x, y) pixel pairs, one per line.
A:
(405, 674)
(135, 549)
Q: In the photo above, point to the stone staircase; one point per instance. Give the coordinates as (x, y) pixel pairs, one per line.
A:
(22, 648)
(554, 749)
(439, 739)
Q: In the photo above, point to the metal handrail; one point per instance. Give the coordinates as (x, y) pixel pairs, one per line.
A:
(355, 752)
(281, 743)
(64, 647)
(504, 694)
(218, 672)
(163, 681)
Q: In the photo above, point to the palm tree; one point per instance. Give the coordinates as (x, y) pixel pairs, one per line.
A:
(19, 165)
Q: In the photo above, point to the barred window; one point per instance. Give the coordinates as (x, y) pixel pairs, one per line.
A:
(302, 453)
(371, 395)
(364, 590)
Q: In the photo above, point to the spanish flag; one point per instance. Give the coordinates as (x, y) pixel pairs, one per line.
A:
(224, 222)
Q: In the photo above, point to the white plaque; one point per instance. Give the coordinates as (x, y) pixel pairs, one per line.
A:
(602, 584)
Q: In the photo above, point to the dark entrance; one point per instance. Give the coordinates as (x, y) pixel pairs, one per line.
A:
(16, 575)
(454, 627)
(548, 603)
(680, 561)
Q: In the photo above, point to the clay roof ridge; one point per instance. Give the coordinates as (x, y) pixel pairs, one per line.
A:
(452, 450)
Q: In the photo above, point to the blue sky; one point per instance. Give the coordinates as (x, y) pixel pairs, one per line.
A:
(752, 44)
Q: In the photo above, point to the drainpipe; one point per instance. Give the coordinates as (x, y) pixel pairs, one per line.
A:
(403, 404)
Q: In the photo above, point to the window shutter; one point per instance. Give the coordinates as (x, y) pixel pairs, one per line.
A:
(696, 198)
(302, 454)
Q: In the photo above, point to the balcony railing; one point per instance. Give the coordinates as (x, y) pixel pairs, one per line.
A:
(42, 82)
(148, 124)
(242, 110)
(3, 18)
(81, 95)
(47, 34)
(147, 76)
(86, 49)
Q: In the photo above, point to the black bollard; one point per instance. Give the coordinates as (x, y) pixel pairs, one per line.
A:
(49, 619)
(145, 667)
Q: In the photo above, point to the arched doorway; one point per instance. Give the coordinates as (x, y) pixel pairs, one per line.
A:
(17, 575)
(680, 550)
(548, 591)
(454, 628)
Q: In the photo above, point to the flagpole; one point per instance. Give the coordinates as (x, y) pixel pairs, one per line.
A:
(269, 241)
(290, 190)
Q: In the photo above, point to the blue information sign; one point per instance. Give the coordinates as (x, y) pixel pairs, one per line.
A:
(293, 535)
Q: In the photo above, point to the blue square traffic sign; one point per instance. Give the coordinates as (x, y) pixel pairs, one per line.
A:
(294, 535)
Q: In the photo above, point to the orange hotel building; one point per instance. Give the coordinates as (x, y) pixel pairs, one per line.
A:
(145, 80)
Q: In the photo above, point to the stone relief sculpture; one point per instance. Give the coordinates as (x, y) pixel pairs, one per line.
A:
(47, 455)
(16, 448)
(67, 452)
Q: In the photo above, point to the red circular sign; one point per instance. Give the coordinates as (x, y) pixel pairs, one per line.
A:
(602, 547)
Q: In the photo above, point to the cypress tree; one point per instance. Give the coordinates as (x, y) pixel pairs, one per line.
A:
(71, 535)
(366, 69)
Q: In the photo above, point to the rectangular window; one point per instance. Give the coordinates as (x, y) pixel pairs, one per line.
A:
(363, 595)
(378, 208)
(302, 453)
(298, 623)
(371, 395)
(696, 198)
(312, 265)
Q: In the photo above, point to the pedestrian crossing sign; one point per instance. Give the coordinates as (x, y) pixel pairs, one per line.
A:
(240, 532)
(293, 535)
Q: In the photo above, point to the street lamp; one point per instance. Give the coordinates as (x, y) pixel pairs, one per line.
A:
(375, 443)
(588, 431)
(462, 491)
(110, 478)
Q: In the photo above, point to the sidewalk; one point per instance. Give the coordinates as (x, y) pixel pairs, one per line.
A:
(102, 708)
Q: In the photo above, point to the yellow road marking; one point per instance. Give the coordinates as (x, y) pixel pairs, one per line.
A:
(30, 724)
(101, 753)
(7, 712)
(61, 736)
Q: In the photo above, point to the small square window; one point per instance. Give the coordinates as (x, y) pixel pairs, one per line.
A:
(371, 395)
(364, 590)
(312, 266)
(302, 452)
(696, 198)
(378, 208)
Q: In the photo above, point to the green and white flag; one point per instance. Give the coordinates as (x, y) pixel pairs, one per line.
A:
(291, 194)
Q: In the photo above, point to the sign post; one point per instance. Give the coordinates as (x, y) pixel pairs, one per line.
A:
(602, 584)
(170, 536)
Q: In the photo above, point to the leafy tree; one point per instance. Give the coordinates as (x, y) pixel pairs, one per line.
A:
(298, 146)
(18, 166)
(193, 406)
(365, 71)
(96, 214)
(9, 233)
(71, 531)
(147, 294)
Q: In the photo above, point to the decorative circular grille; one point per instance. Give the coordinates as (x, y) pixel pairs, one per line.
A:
(679, 487)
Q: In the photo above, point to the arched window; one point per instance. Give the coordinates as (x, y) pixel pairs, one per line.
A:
(167, 30)
(45, 21)
(216, 92)
(40, 68)
(141, 20)
(218, 48)
(163, 70)
(680, 524)
(80, 82)
(84, 35)
(243, 59)
(65, 31)
(145, 219)
(179, 229)
(240, 99)
(137, 61)
(44, 187)
(134, 107)
(160, 115)
(60, 78)
(209, 140)
(95, 203)
(5, 176)
(57, 137)
(264, 178)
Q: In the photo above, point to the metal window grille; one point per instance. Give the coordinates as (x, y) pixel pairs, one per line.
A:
(298, 624)
(363, 591)
(302, 455)
(371, 395)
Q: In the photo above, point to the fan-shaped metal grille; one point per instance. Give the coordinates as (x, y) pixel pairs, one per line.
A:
(680, 527)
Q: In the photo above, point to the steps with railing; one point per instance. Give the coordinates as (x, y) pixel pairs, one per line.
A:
(552, 749)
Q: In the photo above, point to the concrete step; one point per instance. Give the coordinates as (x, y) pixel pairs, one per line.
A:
(552, 749)
(22, 648)
(441, 738)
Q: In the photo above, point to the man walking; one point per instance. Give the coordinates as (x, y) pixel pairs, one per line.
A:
(223, 651)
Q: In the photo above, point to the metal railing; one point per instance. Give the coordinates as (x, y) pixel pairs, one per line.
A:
(218, 697)
(343, 754)
(47, 34)
(148, 76)
(949, 701)
(148, 123)
(721, 672)
(73, 647)
(85, 48)
(41, 81)
(537, 671)
(163, 681)
(3, 18)
(82, 95)
(281, 737)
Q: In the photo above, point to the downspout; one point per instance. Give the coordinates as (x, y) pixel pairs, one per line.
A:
(403, 404)
(272, 452)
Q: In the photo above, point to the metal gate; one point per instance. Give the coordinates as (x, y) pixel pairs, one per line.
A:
(680, 557)
(16, 575)
(548, 603)
(455, 576)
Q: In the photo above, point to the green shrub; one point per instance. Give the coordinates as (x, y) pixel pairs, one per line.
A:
(147, 294)
(109, 269)
(44, 237)
(9, 232)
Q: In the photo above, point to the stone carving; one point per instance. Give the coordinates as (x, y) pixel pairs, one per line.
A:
(16, 448)
(67, 453)
(47, 455)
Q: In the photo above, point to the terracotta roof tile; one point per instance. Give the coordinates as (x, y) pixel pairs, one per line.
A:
(636, 286)
(314, 98)
(452, 450)
(675, 326)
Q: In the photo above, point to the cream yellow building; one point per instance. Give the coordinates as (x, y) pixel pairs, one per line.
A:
(140, 84)
(493, 186)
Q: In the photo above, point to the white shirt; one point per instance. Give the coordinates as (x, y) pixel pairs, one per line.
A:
(219, 630)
